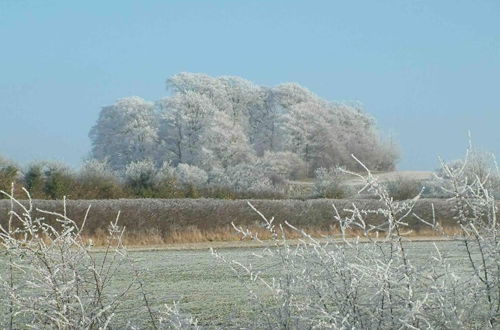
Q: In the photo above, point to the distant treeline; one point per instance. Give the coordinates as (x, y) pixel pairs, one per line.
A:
(53, 180)
(228, 128)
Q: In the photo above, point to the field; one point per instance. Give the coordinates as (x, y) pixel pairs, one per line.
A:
(397, 275)
(212, 293)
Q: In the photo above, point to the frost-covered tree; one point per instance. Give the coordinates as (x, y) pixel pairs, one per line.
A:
(242, 95)
(290, 94)
(265, 121)
(125, 132)
(224, 143)
(307, 132)
(326, 134)
(190, 175)
(184, 118)
(212, 88)
(281, 165)
(216, 123)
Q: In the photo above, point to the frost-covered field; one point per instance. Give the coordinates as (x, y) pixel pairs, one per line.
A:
(215, 296)
(54, 277)
(211, 292)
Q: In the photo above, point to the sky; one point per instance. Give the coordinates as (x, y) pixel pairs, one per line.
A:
(428, 71)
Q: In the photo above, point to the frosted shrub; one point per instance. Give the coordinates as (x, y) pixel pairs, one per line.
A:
(171, 317)
(9, 172)
(50, 280)
(478, 165)
(141, 171)
(368, 279)
(191, 175)
(94, 168)
(59, 180)
(247, 178)
(98, 181)
(401, 188)
(337, 284)
(329, 183)
(140, 177)
(476, 215)
(285, 165)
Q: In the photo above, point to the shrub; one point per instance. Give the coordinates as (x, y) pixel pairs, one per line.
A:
(329, 183)
(53, 279)
(372, 281)
(97, 181)
(401, 188)
(190, 175)
(246, 178)
(165, 183)
(9, 174)
(34, 179)
(140, 178)
(284, 165)
(192, 179)
(477, 165)
(59, 181)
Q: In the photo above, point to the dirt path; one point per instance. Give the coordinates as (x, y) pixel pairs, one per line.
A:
(383, 177)
(252, 244)
(396, 175)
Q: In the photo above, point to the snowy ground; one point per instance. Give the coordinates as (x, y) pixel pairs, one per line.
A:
(210, 291)
(397, 175)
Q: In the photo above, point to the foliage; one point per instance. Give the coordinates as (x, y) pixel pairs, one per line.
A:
(97, 181)
(34, 180)
(59, 181)
(53, 279)
(221, 122)
(401, 188)
(372, 282)
(477, 165)
(140, 177)
(329, 183)
(366, 279)
(9, 174)
(125, 132)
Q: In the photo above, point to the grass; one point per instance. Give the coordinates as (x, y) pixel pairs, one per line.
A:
(210, 291)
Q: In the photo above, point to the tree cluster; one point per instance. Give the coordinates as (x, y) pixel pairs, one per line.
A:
(229, 128)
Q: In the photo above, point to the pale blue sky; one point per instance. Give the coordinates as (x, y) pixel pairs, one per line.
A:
(426, 70)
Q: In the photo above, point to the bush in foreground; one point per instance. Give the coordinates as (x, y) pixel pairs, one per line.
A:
(372, 282)
(53, 279)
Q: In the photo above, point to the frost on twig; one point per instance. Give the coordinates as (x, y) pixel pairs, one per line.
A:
(377, 282)
(54, 279)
